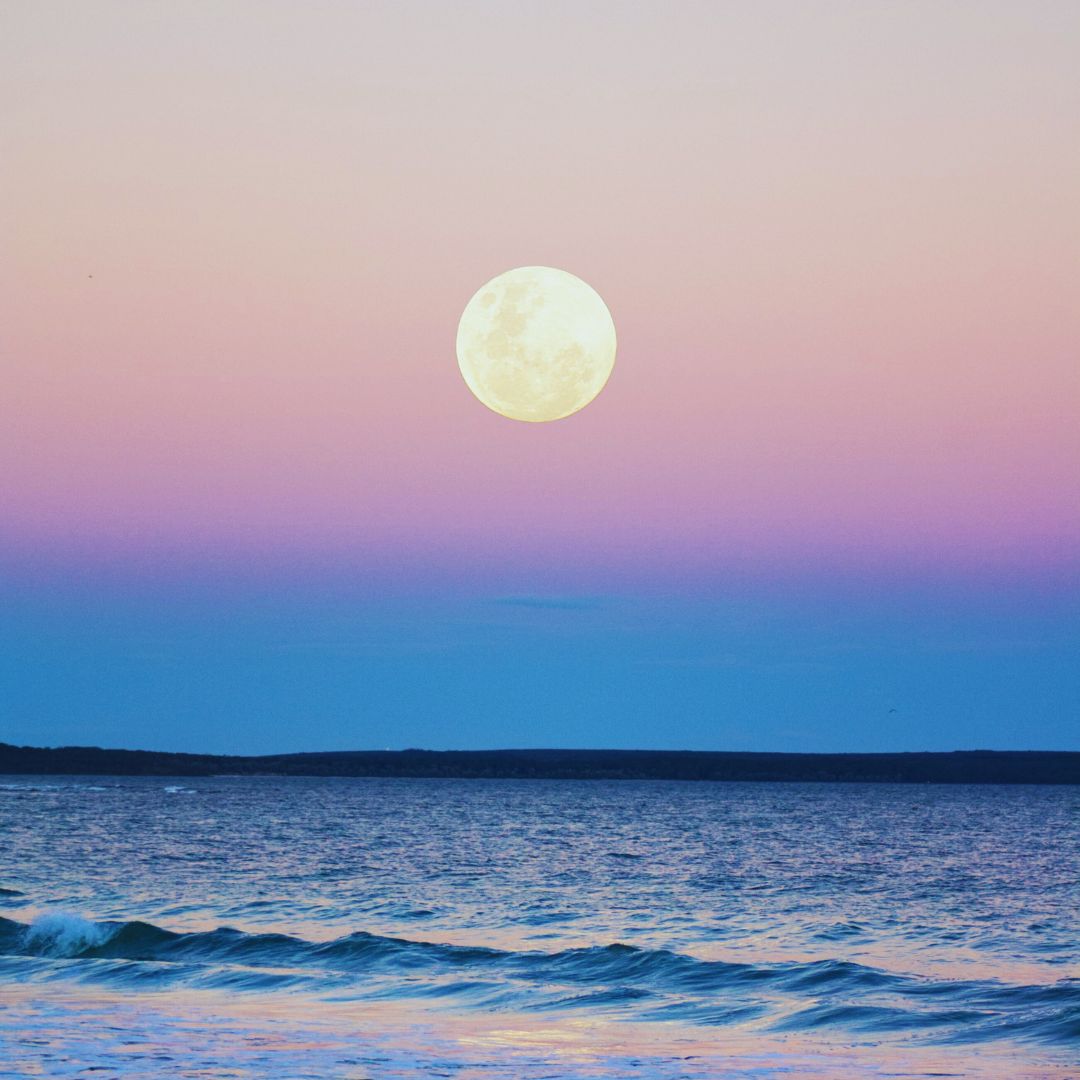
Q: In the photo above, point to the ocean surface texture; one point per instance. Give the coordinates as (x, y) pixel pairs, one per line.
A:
(258, 927)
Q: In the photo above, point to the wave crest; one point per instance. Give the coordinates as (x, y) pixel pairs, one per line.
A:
(62, 934)
(644, 983)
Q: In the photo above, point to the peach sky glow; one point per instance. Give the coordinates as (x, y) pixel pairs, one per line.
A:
(839, 241)
(828, 499)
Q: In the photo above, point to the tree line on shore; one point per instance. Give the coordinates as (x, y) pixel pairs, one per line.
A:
(957, 767)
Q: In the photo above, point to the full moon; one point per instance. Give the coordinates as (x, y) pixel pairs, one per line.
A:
(536, 344)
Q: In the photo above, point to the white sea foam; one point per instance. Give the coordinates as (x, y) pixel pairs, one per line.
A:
(60, 933)
(179, 789)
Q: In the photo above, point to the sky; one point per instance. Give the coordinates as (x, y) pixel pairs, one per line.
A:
(828, 500)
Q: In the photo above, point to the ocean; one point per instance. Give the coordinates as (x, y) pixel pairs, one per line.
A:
(390, 928)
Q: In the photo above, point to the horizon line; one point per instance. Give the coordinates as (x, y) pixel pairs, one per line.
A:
(4, 745)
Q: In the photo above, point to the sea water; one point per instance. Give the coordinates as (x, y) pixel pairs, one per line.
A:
(368, 928)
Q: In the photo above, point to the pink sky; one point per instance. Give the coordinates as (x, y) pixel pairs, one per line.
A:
(840, 242)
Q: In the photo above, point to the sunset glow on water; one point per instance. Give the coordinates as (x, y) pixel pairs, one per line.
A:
(508, 927)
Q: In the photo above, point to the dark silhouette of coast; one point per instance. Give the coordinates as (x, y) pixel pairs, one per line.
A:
(956, 767)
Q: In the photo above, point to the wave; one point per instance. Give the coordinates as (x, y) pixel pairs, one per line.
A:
(61, 934)
(643, 983)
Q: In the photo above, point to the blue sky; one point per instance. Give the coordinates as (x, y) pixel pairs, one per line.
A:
(267, 668)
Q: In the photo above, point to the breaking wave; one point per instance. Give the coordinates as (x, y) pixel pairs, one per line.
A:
(617, 978)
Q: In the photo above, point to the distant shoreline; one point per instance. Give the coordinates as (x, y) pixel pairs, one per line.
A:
(953, 767)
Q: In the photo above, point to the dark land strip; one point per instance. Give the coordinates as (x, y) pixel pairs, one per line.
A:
(956, 767)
